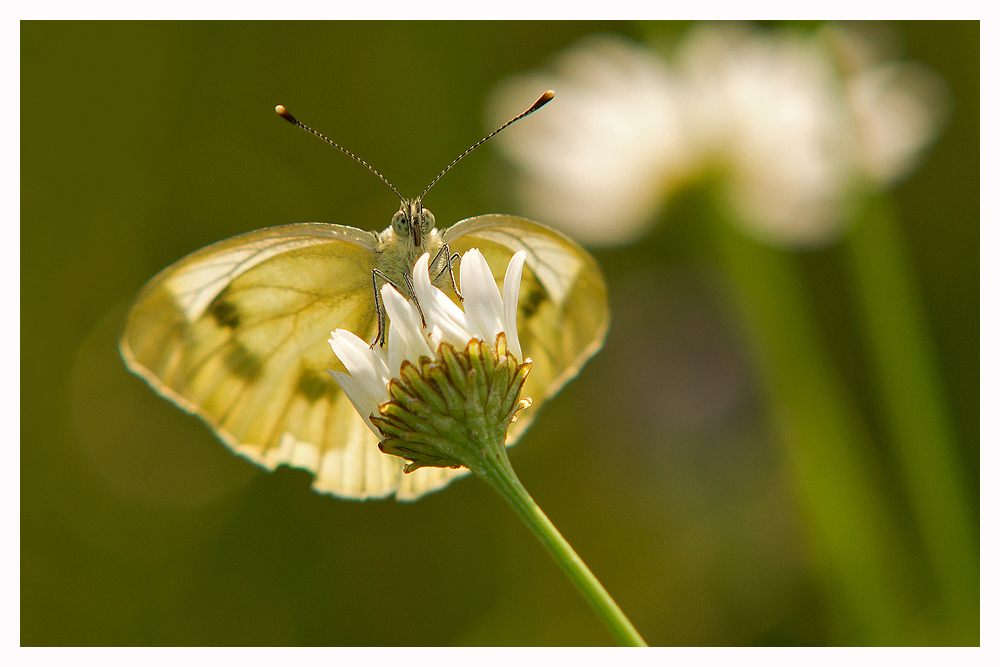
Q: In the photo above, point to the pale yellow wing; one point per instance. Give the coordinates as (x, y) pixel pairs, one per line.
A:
(563, 314)
(236, 334)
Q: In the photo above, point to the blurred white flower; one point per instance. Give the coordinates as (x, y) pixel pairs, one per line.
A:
(600, 161)
(898, 109)
(797, 124)
(769, 113)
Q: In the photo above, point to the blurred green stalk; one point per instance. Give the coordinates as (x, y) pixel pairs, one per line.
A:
(915, 407)
(855, 540)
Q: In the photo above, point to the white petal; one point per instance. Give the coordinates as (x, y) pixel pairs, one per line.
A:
(483, 305)
(511, 289)
(369, 376)
(396, 349)
(406, 319)
(358, 398)
(438, 309)
(366, 365)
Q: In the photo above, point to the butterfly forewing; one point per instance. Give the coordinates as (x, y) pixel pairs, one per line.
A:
(236, 333)
(563, 314)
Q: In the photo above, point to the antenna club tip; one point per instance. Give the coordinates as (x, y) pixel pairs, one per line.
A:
(283, 112)
(546, 97)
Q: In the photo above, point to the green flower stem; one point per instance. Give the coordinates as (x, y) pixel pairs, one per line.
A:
(495, 469)
(855, 540)
(454, 410)
(915, 408)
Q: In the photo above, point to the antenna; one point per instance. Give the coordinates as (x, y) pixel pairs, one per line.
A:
(283, 112)
(539, 103)
(546, 97)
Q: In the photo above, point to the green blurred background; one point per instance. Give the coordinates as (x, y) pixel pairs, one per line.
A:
(141, 142)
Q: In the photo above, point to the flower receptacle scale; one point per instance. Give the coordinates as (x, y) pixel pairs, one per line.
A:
(445, 412)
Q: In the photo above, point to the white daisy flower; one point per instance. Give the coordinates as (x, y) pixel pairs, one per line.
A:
(445, 390)
(797, 124)
(489, 318)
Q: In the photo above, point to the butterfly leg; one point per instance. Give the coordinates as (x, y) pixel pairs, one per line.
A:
(379, 311)
(413, 295)
(451, 272)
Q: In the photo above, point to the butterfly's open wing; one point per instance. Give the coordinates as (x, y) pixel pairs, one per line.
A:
(563, 313)
(236, 334)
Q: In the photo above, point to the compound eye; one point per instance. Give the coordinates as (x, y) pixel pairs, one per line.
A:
(428, 220)
(399, 224)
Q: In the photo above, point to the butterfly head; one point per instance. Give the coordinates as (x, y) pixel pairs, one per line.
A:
(413, 220)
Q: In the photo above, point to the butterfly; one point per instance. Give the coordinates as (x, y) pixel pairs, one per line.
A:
(236, 333)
